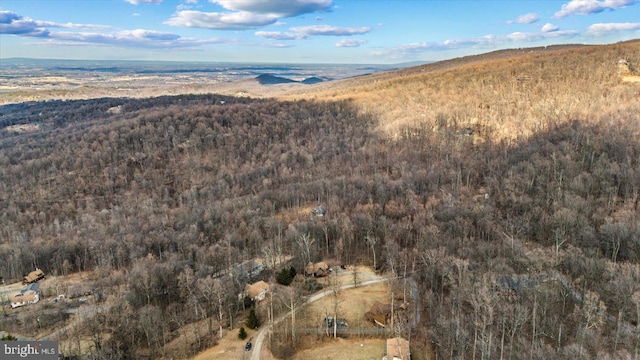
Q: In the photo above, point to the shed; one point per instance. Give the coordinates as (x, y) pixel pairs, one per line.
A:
(319, 211)
(380, 313)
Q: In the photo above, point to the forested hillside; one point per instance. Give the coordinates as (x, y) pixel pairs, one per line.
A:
(524, 236)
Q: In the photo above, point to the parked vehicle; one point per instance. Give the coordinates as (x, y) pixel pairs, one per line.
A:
(340, 323)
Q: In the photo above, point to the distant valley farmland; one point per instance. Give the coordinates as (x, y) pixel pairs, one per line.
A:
(34, 79)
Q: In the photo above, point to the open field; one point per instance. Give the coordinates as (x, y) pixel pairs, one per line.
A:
(10, 290)
(352, 349)
(351, 303)
(229, 347)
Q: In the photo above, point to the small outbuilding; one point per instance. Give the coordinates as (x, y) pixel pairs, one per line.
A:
(380, 313)
(319, 211)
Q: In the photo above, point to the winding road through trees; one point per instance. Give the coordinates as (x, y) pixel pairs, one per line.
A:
(259, 337)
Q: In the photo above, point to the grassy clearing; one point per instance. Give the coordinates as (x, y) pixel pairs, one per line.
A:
(353, 349)
(351, 304)
(229, 347)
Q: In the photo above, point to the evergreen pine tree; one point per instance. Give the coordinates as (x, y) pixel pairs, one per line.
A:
(252, 320)
(242, 334)
(286, 275)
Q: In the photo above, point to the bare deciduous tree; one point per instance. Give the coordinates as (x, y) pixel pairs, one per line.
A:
(372, 240)
(304, 243)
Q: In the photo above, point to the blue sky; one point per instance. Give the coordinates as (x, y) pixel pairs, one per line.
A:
(303, 31)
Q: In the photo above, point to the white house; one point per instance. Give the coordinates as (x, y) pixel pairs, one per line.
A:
(29, 297)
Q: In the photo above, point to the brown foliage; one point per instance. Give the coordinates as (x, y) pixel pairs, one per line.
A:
(479, 174)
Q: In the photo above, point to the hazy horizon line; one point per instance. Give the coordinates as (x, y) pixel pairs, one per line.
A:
(214, 61)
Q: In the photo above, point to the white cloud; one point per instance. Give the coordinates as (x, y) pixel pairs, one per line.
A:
(276, 45)
(278, 8)
(445, 45)
(241, 20)
(71, 25)
(278, 35)
(483, 41)
(12, 23)
(586, 7)
(134, 38)
(603, 29)
(149, 34)
(15, 24)
(247, 14)
(350, 43)
(535, 36)
(136, 2)
(548, 27)
(328, 30)
(303, 32)
(525, 19)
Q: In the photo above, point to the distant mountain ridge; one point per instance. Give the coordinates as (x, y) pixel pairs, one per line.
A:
(269, 79)
(312, 80)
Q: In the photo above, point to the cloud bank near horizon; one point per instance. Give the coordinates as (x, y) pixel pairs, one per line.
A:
(488, 41)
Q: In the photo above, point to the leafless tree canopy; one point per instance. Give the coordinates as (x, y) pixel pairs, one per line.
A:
(521, 248)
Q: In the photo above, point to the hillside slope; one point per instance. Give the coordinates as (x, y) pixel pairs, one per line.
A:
(507, 94)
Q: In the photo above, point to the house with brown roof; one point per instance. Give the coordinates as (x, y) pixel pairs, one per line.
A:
(257, 291)
(33, 276)
(29, 297)
(397, 349)
(319, 269)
